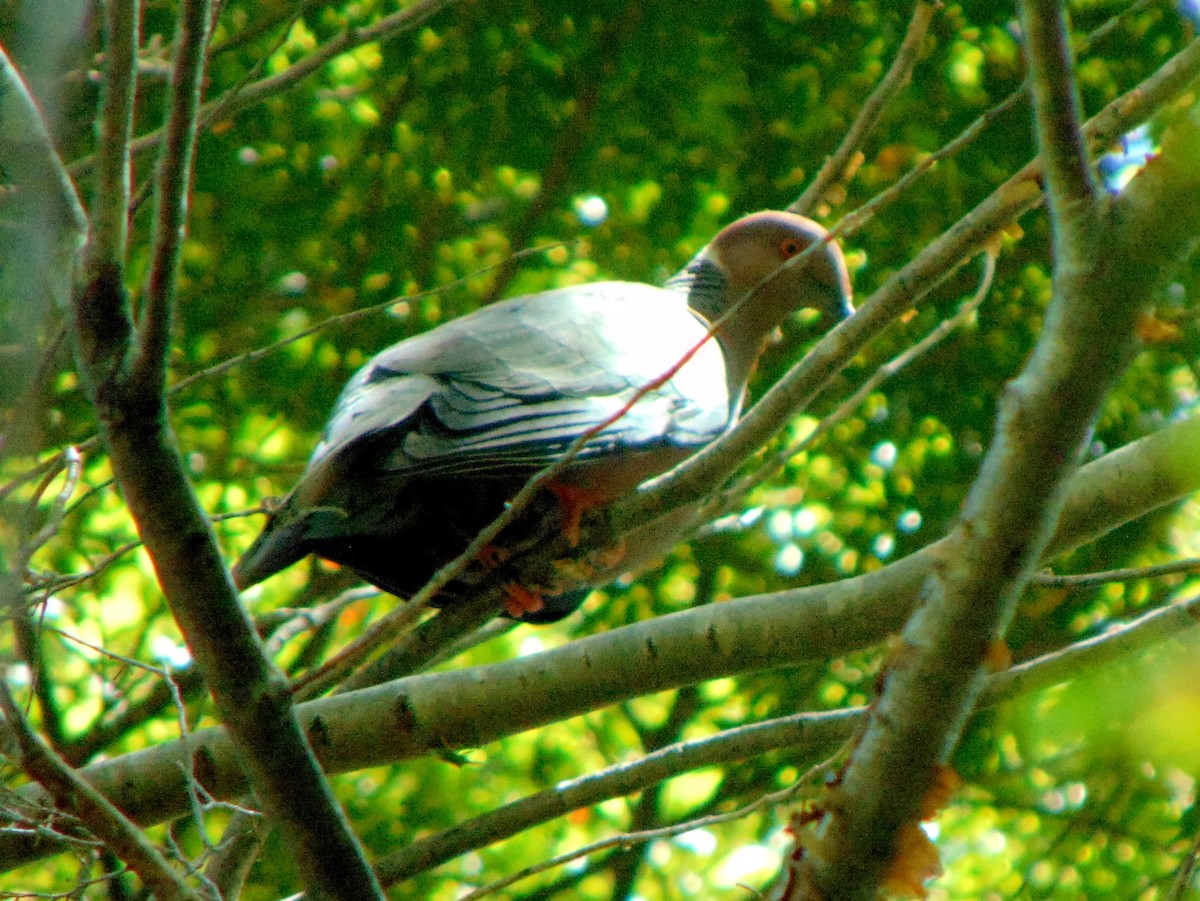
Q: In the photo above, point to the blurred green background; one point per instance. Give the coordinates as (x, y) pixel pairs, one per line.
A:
(623, 135)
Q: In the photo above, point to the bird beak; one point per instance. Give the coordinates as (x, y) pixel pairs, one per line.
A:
(844, 309)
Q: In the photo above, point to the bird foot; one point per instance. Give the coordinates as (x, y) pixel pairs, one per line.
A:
(574, 501)
(613, 554)
(519, 600)
(575, 572)
(493, 555)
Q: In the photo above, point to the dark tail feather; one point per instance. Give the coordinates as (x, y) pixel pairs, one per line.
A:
(277, 548)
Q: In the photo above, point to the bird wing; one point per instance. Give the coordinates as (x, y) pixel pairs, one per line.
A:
(515, 383)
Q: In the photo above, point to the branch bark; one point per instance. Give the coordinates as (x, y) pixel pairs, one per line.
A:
(72, 793)
(110, 209)
(124, 372)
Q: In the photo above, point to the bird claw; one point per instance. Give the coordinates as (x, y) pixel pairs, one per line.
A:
(493, 555)
(574, 501)
(613, 554)
(519, 600)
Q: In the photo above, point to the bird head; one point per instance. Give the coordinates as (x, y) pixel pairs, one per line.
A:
(745, 281)
(754, 253)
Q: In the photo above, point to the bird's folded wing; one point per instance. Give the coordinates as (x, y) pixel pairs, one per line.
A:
(513, 385)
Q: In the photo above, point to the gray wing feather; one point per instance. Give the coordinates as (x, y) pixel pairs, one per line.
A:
(517, 382)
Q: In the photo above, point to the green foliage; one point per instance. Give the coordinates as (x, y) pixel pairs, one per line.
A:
(398, 168)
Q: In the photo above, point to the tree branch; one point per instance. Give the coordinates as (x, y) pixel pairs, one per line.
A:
(1055, 103)
(815, 733)
(893, 82)
(1125, 574)
(110, 208)
(251, 695)
(1109, 264)
(811, 733)
(1087, 654)
(73, 794)
(466, 708)
(735, 493)
(171, 194)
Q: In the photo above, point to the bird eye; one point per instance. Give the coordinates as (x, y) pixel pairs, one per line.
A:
(789, 248)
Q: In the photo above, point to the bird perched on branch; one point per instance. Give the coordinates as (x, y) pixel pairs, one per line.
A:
(431, 438)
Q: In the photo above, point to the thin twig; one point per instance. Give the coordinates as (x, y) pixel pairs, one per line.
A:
(74, 793)
(258, 27)
(52, 582)
(213, 111)
(27, 628)
(872, 110)
(812, 732)
(171, 194)
(772, 799)
(110, 210)
(1128, 574)
(1100, 32)
(1118, 641)
(73, 461)
(857, 218)
(732, 495)
(297, 621)
(242, 97)
(354, 315)
(131, 714)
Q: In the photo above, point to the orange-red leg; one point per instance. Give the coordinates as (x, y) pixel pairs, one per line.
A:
(574, 500)
(493, 555)
(613, 554)
(519, 600)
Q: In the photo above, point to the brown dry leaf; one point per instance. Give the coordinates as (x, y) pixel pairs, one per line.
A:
(998, 657)
(945, 783)
(916, 862)
(1153, 330)
(1045, 601)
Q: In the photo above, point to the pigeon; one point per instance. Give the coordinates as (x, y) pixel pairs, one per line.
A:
(431, 438)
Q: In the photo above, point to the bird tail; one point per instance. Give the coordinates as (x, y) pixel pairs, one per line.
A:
(281, 544)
